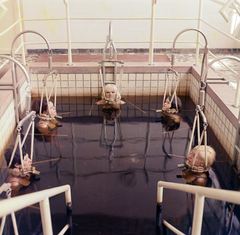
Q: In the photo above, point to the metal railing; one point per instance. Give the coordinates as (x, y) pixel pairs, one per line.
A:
(11, 205)
(152, 18)
(200, 194)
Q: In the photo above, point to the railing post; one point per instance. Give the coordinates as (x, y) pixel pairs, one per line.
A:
(46, 217)
(68, 33)
(159, 206)
(198, 214)
(237, 96)
(21, 29)
(199, 27)
(152, 32)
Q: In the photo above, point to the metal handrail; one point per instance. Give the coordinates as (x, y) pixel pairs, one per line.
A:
(200, 194)
(204, 79)
(14, 87)
(14, 204)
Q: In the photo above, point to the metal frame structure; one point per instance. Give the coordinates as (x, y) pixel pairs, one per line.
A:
(16, 88)
(19, 143)
(199, 110)
(11, 205)
(111, 62)
(236, 159)
(54, 75)
(200, 194)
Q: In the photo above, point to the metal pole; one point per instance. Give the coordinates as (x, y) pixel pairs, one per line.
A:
(159, 194)
(237, 96)
(68, 33)
(198, 214)
(152, 32)
(46, 216)
(199, 27)
(21, 29)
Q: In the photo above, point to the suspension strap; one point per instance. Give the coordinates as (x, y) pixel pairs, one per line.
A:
(168, 87)
(19, 143)
(200, 138)
(49, 117)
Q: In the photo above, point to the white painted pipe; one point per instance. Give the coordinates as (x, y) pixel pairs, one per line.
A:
(46, 216)
(68, 33)
(199, 27)
(237, 96)
(17, 203)
(21, 29)
(21, 67)
(198, 214)
(152, 33)
(203, 77)
(218, 194)
(176, 231)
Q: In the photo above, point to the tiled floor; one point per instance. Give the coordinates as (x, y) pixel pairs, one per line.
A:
(219, 69)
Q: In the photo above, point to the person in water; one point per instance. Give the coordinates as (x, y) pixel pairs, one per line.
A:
(47, 121)
(111, 96)
(197, 174)
(19, 177)
(170, 109)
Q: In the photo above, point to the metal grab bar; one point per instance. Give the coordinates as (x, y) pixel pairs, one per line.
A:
(15, 88)
(11, 205)
(205, 60)
(204, 79)
(200, 194)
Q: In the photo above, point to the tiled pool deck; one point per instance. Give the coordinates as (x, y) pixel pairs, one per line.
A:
(142, 79)
(184, 57)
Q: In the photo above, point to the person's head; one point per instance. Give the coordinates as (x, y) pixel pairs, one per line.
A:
(174, 105)
(111, 92)
(51, 110)
(200, 161)
(16, 162)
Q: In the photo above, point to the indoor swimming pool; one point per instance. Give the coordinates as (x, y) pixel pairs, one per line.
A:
(113, 169)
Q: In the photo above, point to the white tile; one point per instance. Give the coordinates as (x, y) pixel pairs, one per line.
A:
(64, 77)
(139, 76)
(132, 76)
(146, 76)
(71, 76)
(88, 76)
(79, 77)
(95, 77)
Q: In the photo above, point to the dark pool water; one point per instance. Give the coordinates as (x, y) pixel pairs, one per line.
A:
(113, 170)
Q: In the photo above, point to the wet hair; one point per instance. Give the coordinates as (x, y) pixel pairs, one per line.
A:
(110, 87)
(36, 106)
(173, 104)
(16, 158)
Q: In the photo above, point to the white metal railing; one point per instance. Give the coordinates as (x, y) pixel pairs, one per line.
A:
(11, 205)
(151, 41)
(200, 194)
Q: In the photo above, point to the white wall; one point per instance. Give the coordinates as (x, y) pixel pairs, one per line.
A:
(92, 33)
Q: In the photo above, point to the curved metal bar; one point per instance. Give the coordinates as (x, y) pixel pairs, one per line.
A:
(19, 64)
(204, 79)
(204, 61)
(189, 30)
(29, 31)
(218, 59)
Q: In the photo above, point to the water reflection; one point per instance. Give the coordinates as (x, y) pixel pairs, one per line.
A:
(122, 197)
(111, 131)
